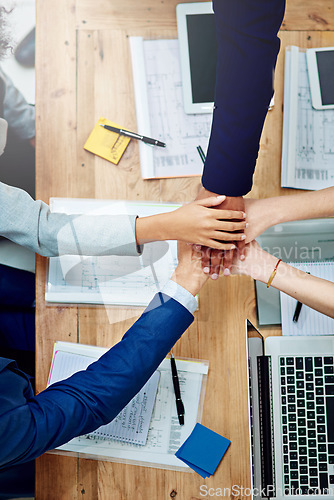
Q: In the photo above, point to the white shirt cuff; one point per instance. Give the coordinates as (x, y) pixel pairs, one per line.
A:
(177, 292)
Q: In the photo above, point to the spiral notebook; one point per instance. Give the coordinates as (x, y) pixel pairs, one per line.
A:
(131, 425)
(161, 434)
(310, 322)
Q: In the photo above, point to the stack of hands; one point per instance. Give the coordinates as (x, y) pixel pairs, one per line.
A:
(221, 229)
(243, 222)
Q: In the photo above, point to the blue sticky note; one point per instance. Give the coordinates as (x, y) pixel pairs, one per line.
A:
(203, 450)
(199, 471)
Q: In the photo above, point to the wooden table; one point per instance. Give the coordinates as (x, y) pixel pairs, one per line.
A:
(83, 62)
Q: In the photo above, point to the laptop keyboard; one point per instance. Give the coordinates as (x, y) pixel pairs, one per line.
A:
(307, 412)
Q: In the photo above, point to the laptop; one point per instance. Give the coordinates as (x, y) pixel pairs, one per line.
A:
(291, 415)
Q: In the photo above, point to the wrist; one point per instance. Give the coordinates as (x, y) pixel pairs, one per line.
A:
(152, 228)
(205, 193)
(261, 270)
(189, 279)
(280, 210)
(272, 211)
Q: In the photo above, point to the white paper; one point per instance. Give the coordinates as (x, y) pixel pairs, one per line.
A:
(160, 113)
(111, 279)
(310, 322)
(308, 134)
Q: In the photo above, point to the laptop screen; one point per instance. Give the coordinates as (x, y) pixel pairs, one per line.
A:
(255, 348)
(260, 416)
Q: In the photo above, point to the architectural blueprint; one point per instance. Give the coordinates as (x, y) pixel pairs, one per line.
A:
(111, 279)
(160, 112)
(308, 134)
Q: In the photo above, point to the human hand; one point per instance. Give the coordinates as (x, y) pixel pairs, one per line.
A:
(258, 264)
(197, 223)
(261, 214)
(33, 142)
(188, 272)
(212, 258)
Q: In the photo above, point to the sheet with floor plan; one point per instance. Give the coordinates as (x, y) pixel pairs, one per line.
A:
(308, 134)
(110, 279)
(165, 435)
(160, 113)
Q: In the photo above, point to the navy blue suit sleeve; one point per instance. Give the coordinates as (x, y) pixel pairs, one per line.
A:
(247, 51)
(93, 397)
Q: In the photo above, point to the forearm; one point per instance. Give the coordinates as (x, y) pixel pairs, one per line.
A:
(153, 228)
(309, 205)
(247, 51)
(112, 381)
(31, 224)
(93, 397)
(310, 290)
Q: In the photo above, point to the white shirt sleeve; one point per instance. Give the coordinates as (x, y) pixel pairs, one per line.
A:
(177, 292)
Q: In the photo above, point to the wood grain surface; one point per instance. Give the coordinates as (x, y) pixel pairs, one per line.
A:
(83, 71)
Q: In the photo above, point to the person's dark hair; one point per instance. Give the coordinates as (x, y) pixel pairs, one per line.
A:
(5, 37)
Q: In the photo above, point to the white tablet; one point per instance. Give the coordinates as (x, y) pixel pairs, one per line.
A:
(198, 55)
(320, 65)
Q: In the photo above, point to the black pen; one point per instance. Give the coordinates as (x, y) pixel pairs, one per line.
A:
(133, 135)
(298, 309)
(201, 153)
(297, 312)
(178, 400)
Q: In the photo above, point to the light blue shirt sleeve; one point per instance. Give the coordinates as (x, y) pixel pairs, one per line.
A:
(31, 224)
(177, 292)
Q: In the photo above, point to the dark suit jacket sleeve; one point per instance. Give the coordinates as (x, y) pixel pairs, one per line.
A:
(247, 52)
(93, 397)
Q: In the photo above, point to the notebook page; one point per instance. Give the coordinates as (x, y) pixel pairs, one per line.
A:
(310, 322)
(131, 425)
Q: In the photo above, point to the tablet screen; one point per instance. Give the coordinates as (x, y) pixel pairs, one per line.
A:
(325, 62)
(202, 56)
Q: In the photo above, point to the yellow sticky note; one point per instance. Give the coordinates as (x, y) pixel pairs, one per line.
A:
(107, 144)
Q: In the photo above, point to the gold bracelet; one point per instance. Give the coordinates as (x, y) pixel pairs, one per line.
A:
(272, 276)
